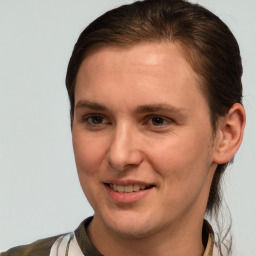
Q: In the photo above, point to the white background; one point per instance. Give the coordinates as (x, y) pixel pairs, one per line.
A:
(40, 195)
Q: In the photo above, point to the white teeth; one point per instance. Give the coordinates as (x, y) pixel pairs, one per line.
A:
(136, 187)
(120, 188)
(128, 188)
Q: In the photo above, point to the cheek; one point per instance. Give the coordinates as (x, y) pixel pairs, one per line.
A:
(89, 154)
(89, 158)
(183, 168)
(183, 159)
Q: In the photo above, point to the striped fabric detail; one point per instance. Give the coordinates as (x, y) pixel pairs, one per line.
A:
(66, 245)
(215, 251)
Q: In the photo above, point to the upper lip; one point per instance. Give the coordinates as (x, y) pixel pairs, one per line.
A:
(127, 182)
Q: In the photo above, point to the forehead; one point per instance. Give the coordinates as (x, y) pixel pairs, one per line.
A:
(142, 53)
(148, 70)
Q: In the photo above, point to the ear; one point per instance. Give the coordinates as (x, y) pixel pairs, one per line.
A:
(229, 134)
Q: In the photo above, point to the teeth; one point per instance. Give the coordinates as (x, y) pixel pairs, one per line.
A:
(142, 187)
(128, 188)
(136, 187)
(120, 188)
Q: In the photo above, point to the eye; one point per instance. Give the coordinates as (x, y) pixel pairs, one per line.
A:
(158, 121)
(96, 120)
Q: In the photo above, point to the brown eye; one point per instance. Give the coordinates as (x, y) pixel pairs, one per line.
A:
(96, 119)
(158, 121)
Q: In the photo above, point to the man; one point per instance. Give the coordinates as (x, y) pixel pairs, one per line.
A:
(156, 115)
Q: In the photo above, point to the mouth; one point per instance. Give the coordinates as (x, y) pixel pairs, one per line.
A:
(128, 188)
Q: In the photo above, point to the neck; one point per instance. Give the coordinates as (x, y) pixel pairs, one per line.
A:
(180, 241)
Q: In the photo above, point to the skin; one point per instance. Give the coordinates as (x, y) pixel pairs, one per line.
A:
(141, 118)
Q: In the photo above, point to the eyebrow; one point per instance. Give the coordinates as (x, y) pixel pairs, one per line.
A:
(91, 105)
(149, 108)
(158, 107)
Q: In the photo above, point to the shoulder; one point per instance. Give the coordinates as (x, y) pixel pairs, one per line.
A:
(39, 248)
(77, 242)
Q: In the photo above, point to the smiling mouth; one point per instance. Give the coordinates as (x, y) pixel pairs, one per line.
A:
(128, 188)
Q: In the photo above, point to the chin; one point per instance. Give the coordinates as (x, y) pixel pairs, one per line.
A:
(133, 227)
(132, 232)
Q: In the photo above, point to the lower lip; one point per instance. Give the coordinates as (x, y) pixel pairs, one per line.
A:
(132, 197)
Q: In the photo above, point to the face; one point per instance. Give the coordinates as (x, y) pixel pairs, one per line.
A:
(142, 139)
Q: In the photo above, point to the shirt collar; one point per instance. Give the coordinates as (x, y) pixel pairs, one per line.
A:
(208, 232)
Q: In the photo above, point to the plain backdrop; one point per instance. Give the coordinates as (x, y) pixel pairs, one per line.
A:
(40, 195)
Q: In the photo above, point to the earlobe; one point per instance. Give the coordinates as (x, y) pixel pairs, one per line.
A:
(229, 134)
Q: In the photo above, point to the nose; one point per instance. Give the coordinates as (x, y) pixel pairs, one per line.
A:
(125, 149)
